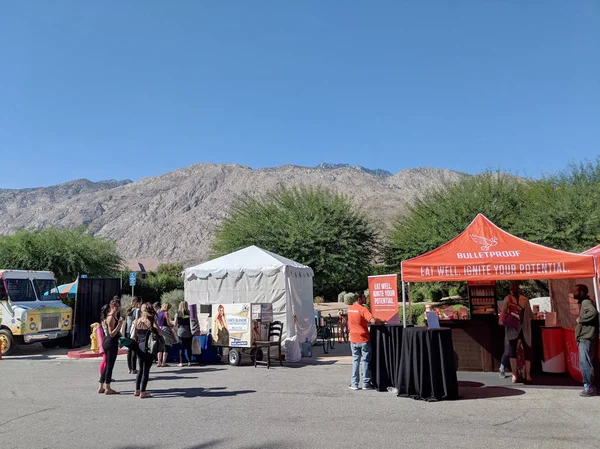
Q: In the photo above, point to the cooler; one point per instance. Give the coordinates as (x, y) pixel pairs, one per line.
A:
(554, 360)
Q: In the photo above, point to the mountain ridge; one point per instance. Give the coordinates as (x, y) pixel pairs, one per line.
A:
(172, 216)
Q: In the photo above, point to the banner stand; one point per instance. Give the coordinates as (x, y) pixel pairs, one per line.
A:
(403, 305)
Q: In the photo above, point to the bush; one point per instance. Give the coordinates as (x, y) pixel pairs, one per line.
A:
(453, 291)
(436, 293)
(318, 300)
(341, 296)
(416, 314)
(350, 298)
(417, 295)
(174, 297)
(125, 302)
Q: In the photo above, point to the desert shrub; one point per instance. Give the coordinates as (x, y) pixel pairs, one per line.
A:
(341, 296)
(350, 298)
(318, 300)
(417, 295)
(436, 293)
(173, 297)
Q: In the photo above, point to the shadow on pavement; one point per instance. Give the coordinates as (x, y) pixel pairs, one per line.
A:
(476, 390)
(197, 392)
(132, 378)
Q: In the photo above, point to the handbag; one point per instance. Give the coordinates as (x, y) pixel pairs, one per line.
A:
(133, 334)
(512, 318)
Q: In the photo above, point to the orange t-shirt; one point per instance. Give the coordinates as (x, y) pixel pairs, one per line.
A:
(358, 318)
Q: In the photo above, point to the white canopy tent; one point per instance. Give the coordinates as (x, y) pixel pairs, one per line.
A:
(254, 275)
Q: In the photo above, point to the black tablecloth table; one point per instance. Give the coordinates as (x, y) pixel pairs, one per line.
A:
(386, 344)
(427, 366)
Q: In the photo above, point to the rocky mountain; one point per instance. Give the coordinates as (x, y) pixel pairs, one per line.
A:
(172, 217)
(376, 172)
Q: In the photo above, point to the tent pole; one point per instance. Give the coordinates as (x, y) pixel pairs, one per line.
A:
(403, 305)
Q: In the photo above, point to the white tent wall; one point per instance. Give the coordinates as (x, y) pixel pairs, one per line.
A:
(300, 304)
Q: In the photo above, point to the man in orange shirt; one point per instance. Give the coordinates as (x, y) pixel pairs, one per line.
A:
(358, 319)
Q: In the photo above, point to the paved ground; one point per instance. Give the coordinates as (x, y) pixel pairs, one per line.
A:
(49, 401)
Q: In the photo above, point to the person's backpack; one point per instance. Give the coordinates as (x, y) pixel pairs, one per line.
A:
(152, 339)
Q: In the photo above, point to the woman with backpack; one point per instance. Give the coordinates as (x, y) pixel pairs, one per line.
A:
(184, 332)
(517, 315)
(147, 334)
(133, 313)
(167, 330)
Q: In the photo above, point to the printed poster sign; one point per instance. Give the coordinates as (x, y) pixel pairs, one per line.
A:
(231, 325)
(383, 293)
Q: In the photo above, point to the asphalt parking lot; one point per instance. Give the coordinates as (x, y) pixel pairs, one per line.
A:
(49, 401)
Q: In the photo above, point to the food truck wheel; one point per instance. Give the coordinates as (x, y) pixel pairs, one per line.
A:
(256, 354)
(234, 357)
(7, 343)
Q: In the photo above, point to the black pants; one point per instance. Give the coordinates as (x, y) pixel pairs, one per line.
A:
(111, 348)
(131, 360)
(185, 343)
(145, 363)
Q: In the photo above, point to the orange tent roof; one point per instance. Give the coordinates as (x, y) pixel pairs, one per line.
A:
(485, 252)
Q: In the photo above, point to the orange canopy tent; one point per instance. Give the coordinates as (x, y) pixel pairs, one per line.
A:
(595, 252)
(484, 252)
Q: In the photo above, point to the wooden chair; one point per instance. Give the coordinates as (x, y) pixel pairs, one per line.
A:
(275, 330)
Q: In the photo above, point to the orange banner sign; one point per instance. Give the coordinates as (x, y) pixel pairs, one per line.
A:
(383, 294)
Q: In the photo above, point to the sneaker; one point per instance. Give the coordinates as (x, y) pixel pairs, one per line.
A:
(502, 374)
(368, 387)
(354, 387)
(587, 392)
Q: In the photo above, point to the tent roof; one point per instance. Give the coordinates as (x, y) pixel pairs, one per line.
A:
(483, 251)
(251, 260)
(595, 251)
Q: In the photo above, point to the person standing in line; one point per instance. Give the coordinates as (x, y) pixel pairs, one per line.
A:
(145, 327)
(359, 318)
(111, 345)
(101, 334)
(184, 332)
(586, 333)
(517, 305)
(166, 327)
(133, 313)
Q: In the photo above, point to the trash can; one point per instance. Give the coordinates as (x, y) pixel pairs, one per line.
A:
(554, 360)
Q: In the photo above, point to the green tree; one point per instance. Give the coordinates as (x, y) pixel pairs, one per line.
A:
(441, 214)
(171, 269)
(566, 207)
(66, 252)
(313, 226)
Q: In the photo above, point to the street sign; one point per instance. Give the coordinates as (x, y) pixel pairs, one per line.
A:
(132, 279)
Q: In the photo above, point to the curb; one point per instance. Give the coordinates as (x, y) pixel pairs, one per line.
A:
(87, 354)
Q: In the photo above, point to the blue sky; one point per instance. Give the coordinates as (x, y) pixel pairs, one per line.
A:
(129, 89)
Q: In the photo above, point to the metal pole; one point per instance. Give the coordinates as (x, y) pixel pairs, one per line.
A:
(132, 295)
(595, 281)
(403, 305)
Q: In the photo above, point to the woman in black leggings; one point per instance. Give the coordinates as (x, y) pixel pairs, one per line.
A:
(184, 332)
(147, 321)
(111, 345)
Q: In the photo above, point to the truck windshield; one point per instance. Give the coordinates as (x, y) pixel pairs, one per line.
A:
(20, 290)
(46, 289)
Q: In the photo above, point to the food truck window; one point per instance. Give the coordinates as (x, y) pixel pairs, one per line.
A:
(20, 290)
(3, 295)
(46, 289)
